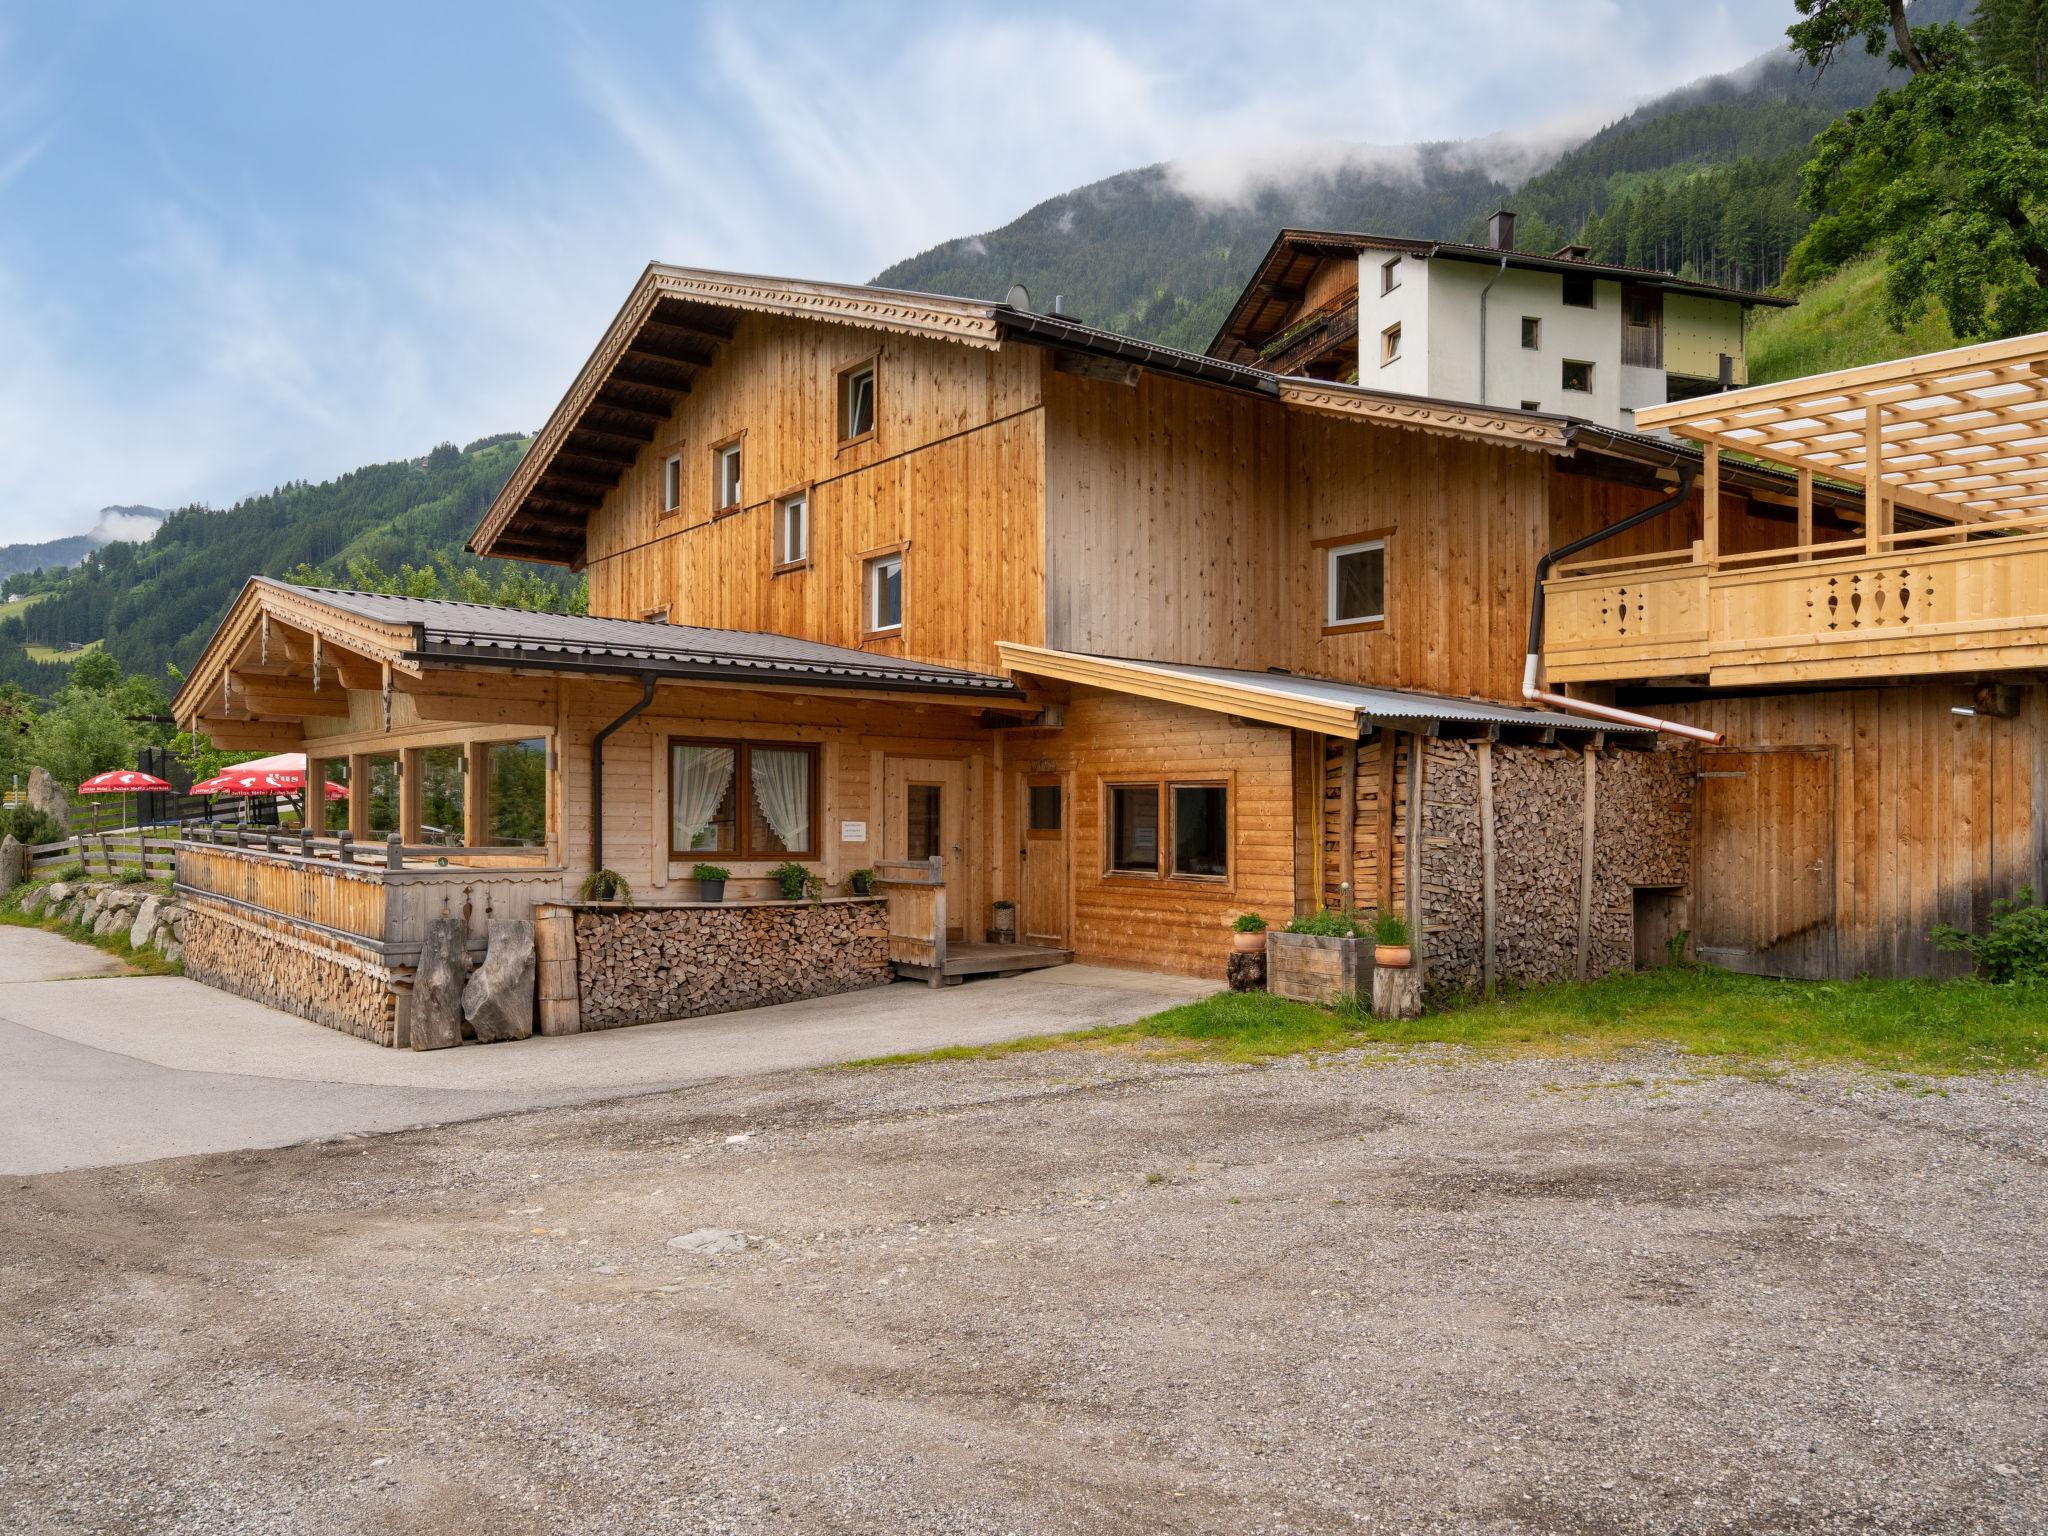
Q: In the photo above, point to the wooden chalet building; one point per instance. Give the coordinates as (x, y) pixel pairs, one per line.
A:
(1134, 639)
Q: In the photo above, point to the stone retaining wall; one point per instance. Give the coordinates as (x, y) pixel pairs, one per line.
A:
(636, 965)
(149, 919)
(270, 960)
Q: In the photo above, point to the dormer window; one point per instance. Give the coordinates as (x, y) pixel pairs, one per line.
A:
(857, 403)
(672, 483)
(725, 477)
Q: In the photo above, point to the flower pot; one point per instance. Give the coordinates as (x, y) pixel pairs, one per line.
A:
(1393, 957)
(861, 887)
(1248, 943)
(711, 890)
(1003, 926)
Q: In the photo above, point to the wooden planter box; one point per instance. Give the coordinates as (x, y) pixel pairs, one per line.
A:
(1310, 969)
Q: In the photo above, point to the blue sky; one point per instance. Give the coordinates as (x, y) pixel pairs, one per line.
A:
(248, 243)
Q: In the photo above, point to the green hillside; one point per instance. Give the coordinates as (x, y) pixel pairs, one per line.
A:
(153, 604)
(1838, 323)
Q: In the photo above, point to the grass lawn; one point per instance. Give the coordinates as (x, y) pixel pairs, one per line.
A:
(1838, 323)
(16, 605)
(1919, 1027)
(58, 653)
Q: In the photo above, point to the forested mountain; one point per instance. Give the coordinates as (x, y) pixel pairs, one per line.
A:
(54, 554)
(155, 603)
(1704, 179)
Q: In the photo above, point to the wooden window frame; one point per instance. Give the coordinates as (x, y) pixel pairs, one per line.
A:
(777, 566)
(1163, 785)
(1327, 552)
(1390, 275)
(737, 441)
(868, 560)
(1532, 333)
(1390, 344)
(656, 615)
(840, 376)
(743, 793)
(670, 505)
(1565, 376)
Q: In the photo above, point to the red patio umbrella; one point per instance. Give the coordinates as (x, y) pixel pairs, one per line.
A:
(240, 781)
(121, 781)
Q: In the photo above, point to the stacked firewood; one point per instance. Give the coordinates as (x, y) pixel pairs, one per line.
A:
(637, 965)
(316, 979)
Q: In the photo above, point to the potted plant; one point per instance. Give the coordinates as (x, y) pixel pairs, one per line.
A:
(1390, 946)
(1248, 934)
(710, 880)
(605, 885)
(863, 882)
(797, 881)
(1315, 958)
(1003, 923)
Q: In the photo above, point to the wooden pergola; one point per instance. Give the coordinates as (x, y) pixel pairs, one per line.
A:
(1961, 436)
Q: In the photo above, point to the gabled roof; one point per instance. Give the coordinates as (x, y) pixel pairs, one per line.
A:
(412, 634)
(1276, 285)
(1284, 698)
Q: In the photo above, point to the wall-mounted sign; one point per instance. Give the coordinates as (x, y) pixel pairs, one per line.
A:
(853, 831)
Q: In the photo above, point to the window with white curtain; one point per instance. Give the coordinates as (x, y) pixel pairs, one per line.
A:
(752, 800)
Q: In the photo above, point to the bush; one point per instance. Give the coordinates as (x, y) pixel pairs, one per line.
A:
(1249, 922)
(2015, 949)
(28, 825)
(797, 881)
(709, 872)
(1390, 929)
(1326, 924)
(605, 885)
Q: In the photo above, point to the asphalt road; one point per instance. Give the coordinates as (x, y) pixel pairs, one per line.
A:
(99, 1068)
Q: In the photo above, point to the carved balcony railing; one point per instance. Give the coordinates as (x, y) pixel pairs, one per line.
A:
(1969, 598)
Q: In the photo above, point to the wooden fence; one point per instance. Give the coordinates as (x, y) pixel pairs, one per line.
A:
(110, 854)
(916, 891)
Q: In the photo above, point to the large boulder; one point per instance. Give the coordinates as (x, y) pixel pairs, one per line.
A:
(498, 1002)
(437, 986)
(47, 795)
(33, 898)
(13, 863)
(143, 929)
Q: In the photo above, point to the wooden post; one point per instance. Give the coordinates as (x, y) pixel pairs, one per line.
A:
(1586, 869)
(346, 851)
(1805, 514)
(1710, 506)
(412, 778)
(1413, 852)
(1347, 829)
(476, 797)
(359, 796)
(1487, 913)
(938, 921)
(394, 852)
(1874, 519)
(1385, 830)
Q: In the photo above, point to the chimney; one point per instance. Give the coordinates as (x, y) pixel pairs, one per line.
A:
(1500, 231)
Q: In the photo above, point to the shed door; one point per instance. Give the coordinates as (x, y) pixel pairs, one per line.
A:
(1764, 880)
(1042, 860)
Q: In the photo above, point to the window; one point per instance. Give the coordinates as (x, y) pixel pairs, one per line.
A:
(748, 799)
(1042, 808)
(857, 403)
(1390, 274)
(384, 793)
(1532, 405)
(1201, 831)
(672, 483)
(793, 530)
(441, 799)
(725, 477)
(1196, 841)
(1532, 332)
(1390, 344)
(924, 819)
(883, 579)
(1356, 582)
(1578, 291)
(518, 808)
(1578, 377)
(1134, 829)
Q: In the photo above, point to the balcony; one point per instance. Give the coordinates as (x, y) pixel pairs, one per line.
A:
(1958, 599)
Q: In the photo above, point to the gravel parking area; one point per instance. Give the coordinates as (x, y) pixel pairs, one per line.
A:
(1064, 1291)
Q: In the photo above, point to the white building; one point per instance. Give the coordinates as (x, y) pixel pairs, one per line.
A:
(1488, 324)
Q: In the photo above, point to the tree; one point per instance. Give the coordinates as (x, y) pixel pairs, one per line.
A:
(2013, 34)
(1947, 175)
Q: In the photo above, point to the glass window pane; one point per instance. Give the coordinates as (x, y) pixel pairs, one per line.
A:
(925, 815)
(1201, 830)
(518, 773)
(1134, 827)
(441, 807)
(886, 595)
(860, 403)
(792, 539)
(383, 794)
(1045, 808)
(779, 802)
(702, 799)
(1360, 586)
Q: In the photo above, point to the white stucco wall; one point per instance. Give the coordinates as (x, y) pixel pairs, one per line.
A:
(1407, 306)
(1515, 373)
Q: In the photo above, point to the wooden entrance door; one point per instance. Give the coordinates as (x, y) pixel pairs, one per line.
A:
(1764, 876)
(1042, 861)
(926, 803)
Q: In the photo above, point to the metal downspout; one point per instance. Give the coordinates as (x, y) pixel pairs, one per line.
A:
(597, 770)
(1499, 273)
(1532, 664)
